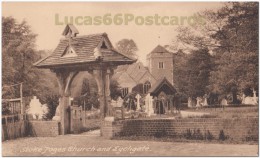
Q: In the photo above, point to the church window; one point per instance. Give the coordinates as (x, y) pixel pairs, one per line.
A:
(161, 65)
(147, 86)
(124, 92)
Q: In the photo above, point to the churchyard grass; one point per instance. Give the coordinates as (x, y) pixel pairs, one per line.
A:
(228, 112)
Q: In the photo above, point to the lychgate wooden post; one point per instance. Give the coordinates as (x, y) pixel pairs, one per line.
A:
(102, 77)
(65, 79)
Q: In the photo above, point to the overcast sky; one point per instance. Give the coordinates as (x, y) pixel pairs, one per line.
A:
(41, 17)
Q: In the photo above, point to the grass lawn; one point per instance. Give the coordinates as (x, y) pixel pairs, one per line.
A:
(228, 112)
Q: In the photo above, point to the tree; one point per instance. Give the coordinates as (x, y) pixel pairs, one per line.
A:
(192, 72)
(89, 93)
(199, 65)
(52, 101)
(231, 33)
(128, 47)
(115, 90)
(19, 54)
(237, 67)
(180, 73)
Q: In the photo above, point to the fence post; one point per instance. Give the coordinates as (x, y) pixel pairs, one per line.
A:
(6, 120)
(21, 95)
(13, 118)
(123, 112)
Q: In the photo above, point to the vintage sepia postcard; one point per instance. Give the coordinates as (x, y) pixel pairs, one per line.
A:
(130, 79)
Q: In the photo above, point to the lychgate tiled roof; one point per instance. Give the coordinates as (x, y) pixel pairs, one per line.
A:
(84, 48)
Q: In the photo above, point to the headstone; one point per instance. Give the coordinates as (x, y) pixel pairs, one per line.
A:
(36, 109)
(250, 101)
(138, 97)
(243, 98)
(120, 102)
(71, 101)
(149, 105)
(189, 102)
(114, 103)
(117, 103)
(198, 102)
(224, 102)
(205, 100)
(254, 97)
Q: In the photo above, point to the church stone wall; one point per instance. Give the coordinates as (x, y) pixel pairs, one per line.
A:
(153, 64)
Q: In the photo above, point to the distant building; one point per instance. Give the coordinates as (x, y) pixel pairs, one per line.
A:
(160, 63)
(134, 76)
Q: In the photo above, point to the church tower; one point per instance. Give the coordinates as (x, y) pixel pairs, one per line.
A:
(160, 63)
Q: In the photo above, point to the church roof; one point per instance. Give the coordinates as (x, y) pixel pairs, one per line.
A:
(160, 49)
(135, 72)
(84, 48)
(162, 85)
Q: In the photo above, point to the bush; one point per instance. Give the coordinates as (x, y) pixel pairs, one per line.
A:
(188, 134)
(195, 135)
(160, 134)
(208, 135)
(52, 101)
(222, 135)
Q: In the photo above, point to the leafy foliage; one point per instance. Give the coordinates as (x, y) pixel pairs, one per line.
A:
(89, 93)
(192, 71)
(115, 90)
(19, 54)
(231, 35)
(127, 47)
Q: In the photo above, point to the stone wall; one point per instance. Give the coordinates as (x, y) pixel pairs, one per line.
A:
(107, 129)
(234, 129)
(44, 128)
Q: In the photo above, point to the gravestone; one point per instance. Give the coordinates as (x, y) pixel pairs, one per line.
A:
(120, 102)
(113, 103)
(224, 102)
(255, 98)
(138, 97)
(198, 102)
(250, 101)
(117, 103)
(243, 98)
(149, 105)
(205, 103)
(189, 102)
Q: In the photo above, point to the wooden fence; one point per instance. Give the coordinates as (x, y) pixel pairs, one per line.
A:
(14, 126)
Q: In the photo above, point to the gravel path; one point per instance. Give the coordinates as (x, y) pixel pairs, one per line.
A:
(91, 144)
